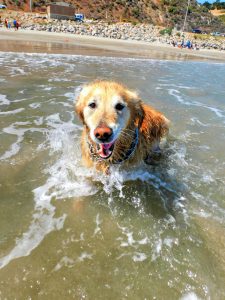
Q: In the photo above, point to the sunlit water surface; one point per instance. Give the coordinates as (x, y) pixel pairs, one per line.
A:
(67, 233)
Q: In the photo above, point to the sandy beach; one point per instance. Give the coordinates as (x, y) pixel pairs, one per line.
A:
(61, 43)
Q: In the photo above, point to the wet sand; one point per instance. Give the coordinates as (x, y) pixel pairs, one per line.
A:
(62, 43)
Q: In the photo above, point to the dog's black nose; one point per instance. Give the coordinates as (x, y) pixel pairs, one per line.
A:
(103, 133)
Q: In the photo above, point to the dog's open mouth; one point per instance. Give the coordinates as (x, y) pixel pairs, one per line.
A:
(105, 150)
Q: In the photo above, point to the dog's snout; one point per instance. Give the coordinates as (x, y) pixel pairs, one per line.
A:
(103, 133)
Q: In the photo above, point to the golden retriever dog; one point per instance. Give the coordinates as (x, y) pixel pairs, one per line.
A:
(118, 127)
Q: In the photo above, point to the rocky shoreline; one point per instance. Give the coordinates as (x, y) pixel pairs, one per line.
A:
(121, 31)
(127, 31)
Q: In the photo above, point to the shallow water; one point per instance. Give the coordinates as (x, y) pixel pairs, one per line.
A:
(67, 233)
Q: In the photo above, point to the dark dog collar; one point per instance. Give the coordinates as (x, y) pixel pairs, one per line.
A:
(126, 155)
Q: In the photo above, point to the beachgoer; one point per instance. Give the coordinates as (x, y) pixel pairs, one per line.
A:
(182, 43)
(188, 44)
(196, 47)
(17, 25)
(6, 23)
(9, 25)
(173, 43)
(179, 44)
(14, 23)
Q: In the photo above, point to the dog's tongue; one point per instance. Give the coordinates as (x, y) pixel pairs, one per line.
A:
(104, 150)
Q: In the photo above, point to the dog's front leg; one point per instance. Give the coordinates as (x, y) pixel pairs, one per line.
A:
(154, 156)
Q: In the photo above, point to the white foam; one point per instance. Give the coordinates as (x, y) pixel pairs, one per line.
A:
(177, 94)
(84, 256)
(15, 147)
(43, 223)
(35, 105)
(21, 92)
(157, 249)
(170, 242)
(130, 241)
(57, 79)
(138, 257)
(217, 111)
(20, 100)
(15, 71)
(19, 132)
(70, 96)
(4, 100)
(47, 88)
(176, 86)
(197, 121)
(59, 185)
(65, 104)
(98, 223)
(208, 207)
(69, 262)
(39, 121)
(190, 296)
(64, 262)
(207, 178)
(11, 112)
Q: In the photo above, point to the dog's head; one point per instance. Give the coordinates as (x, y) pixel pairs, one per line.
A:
(107, 108)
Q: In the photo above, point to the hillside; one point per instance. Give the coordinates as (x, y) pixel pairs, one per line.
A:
(220, 13)
(168, 13)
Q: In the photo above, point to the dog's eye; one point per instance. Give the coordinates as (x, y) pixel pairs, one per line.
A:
(119, 106)
(92, 105)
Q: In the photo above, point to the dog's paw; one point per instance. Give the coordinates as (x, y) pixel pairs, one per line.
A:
(153, 158)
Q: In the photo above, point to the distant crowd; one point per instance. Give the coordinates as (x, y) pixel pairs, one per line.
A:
(10, 23)
(188, 44)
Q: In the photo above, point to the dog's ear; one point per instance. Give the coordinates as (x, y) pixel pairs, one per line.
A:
(160, 127)
(79, 108)
(135, 105)
(154, 125)
(80, 100)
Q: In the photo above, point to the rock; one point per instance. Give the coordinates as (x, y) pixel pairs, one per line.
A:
(124, 31)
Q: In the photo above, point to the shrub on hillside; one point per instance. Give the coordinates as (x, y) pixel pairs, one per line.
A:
(222, 18)
(166, 31)
(172, 9)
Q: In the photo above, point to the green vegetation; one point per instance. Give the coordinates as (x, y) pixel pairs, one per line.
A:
(16, 2)
(222, 18)
(166, 31)
(216, 5)
(207, 37)
(203, 37)
(136, 12)
(119, 2)
(173, 9)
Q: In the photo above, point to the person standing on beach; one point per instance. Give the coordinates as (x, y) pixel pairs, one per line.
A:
(14, 23)
(6, 23)
(17, 25)
(9, 25)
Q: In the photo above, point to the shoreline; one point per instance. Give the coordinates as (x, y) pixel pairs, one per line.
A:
(65, 43)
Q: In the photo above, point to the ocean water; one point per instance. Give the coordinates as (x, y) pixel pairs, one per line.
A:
(157, 232)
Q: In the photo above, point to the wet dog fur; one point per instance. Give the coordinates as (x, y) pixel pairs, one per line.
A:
(118, 126)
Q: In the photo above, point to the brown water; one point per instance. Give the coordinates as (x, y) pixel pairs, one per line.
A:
(67, 233)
